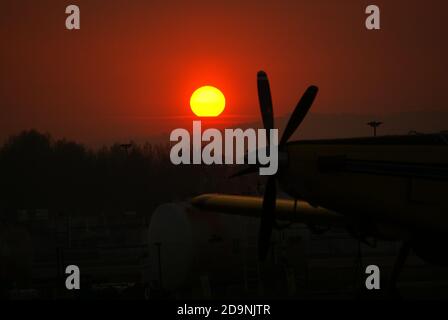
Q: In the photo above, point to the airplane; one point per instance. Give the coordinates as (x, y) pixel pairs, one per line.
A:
(378, 188)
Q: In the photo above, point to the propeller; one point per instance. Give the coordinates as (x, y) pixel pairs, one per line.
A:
(299, 114)
(265, 101)
(267, 221)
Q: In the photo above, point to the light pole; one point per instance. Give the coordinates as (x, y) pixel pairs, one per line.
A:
(374, 125)
(159, 253)
(126, 146)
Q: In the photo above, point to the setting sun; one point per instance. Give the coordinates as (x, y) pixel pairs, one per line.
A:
(207, 101)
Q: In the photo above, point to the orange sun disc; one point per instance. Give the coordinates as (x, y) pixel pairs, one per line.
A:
(207, 101)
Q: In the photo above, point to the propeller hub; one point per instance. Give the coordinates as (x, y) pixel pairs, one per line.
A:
(283, 159)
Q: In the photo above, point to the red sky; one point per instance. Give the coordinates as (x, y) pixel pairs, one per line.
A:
(131, 68)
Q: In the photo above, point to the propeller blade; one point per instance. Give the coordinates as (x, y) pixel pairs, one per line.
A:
(299, 113)
(267, 218)
(252, 168)
(265, 100)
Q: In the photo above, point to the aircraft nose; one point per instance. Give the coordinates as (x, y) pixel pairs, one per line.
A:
(201, 200)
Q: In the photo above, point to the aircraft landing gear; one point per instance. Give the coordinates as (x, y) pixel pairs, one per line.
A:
(397, 268)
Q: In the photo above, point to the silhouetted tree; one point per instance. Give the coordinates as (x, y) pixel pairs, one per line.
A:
(38, 172)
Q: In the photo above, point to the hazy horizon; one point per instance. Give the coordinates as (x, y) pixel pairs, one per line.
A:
(317, 125)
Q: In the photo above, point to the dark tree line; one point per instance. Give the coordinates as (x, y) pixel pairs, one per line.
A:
(39, 172)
